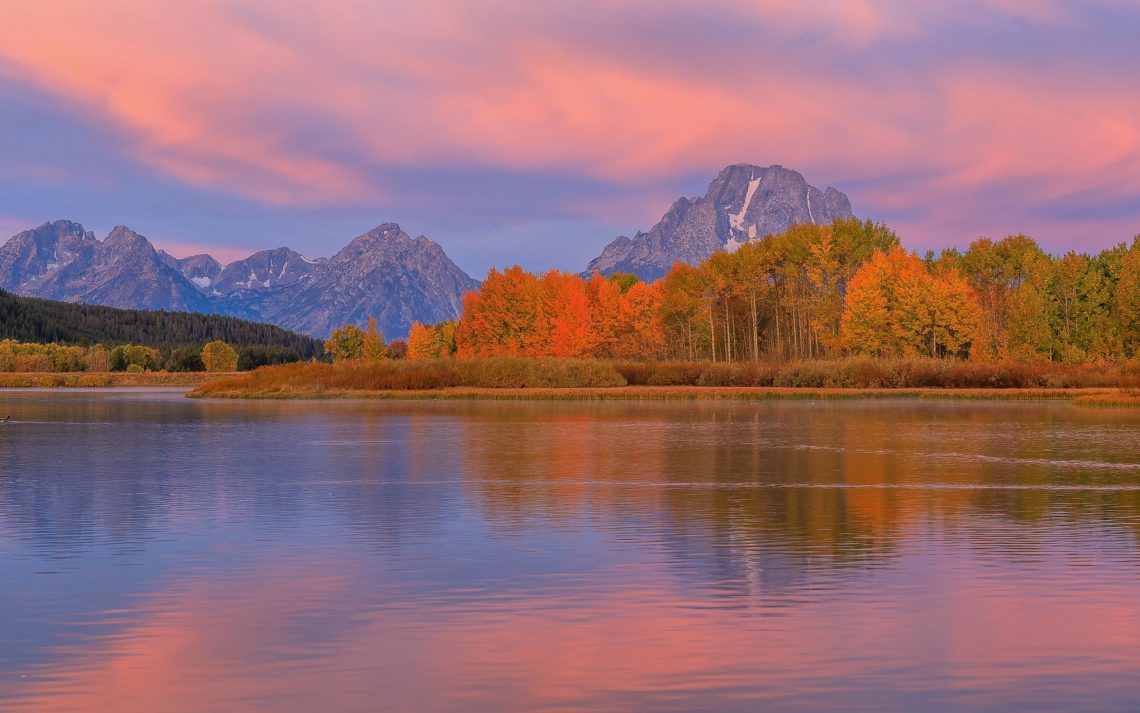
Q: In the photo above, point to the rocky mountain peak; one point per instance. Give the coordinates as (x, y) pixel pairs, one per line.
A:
(744, 202)
(123, 238)
(383, 238)
(265, 270)
(65, 228)
(34, 255)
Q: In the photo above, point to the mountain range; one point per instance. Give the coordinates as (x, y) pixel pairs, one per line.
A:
(384, 273)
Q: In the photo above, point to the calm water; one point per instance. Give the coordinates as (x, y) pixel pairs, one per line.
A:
(159, 554)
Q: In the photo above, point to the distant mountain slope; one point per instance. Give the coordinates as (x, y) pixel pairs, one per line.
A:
(62, 261)
(31, 319)
(743, 203)
(384, 273)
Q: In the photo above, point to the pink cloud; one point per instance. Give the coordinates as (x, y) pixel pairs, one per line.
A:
(299, 104)
(222, 253)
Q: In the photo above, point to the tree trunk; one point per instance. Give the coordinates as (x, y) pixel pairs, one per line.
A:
(755, 331)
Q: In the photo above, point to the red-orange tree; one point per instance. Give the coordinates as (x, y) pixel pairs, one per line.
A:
(559, 314)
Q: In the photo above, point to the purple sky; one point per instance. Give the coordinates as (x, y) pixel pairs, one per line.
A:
(536, 132)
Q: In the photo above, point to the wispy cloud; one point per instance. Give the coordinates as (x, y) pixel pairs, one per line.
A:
(327, 104)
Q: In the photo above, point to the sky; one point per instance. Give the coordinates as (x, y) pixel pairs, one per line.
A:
(536, 132)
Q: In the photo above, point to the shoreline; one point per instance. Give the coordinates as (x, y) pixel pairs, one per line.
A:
(104, 380)
(1080, 396)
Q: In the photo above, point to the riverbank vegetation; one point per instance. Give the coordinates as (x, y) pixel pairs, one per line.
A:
(216, 356)
(58, 380)
(685, 379)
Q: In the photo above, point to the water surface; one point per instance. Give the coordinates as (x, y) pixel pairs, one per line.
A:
(160, 554)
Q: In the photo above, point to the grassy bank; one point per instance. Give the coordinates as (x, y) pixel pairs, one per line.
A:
(676, 393)
(31, 380)
(510, 378)
(1123, 398)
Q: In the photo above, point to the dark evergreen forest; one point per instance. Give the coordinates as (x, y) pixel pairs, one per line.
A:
(28, 319)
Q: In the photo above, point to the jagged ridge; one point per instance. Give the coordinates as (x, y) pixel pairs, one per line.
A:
(744, 202)
(383, 273)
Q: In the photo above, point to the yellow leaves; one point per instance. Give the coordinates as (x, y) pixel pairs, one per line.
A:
(431, 341)
(895, 307)
(345, 343)
(868, 321)
(373, 347)
(219, 356)
(1126, 301)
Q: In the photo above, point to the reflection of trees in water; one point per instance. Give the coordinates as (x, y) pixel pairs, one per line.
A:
(82, 473)
(700, 475)
(76, 473)
(791, 487)
(683, 475)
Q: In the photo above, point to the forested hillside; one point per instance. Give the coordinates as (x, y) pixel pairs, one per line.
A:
(28, 319)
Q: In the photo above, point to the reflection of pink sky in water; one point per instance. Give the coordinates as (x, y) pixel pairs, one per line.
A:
(482, 556)
(962, 632)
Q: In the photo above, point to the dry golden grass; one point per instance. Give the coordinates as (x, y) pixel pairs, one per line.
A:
(652, 393)
(308, 379)
(104, 379)
(869, 373)
(517, 379)
(1124, 398)
(591, 378)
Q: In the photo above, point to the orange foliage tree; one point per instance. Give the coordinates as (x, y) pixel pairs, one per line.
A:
(563, 323)
(502, 318)
(559, 314)
(816, 292)
(431, 341)
(895, 307)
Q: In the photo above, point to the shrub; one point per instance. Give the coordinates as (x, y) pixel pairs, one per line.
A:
(219, 356)
(346, 343)
(518, 373)
(127, 355)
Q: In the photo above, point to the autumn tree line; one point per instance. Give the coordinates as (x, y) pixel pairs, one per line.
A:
(216, 356)
(815, 292)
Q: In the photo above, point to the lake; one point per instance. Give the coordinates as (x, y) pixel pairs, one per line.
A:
(161, 554)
